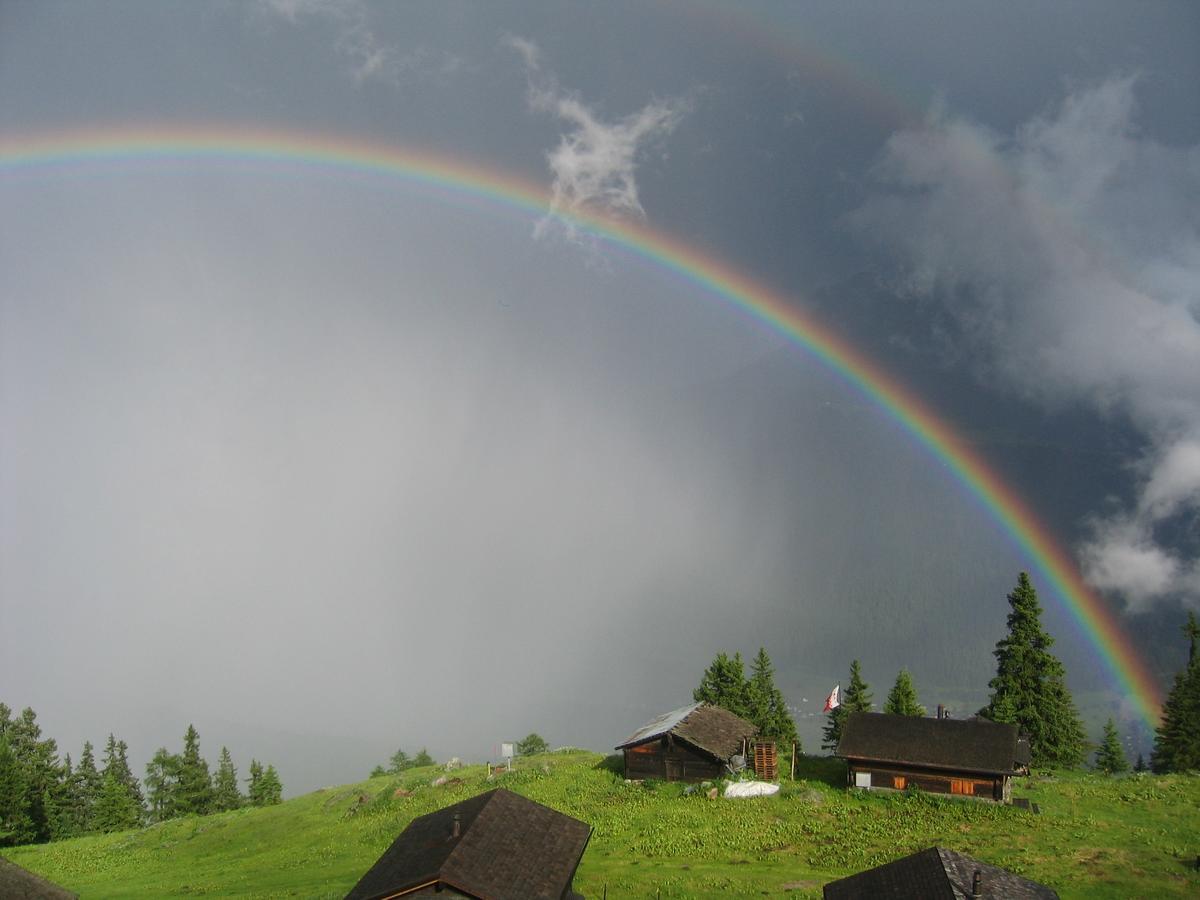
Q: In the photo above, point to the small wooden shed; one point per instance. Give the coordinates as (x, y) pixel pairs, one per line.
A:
(694, 743)
(937, 874)
(497, 845)
(968, 757)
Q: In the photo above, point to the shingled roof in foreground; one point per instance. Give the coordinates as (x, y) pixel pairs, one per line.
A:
(937, 874)
(496, 845)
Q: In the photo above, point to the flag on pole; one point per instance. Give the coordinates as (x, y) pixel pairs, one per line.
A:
(832, 702)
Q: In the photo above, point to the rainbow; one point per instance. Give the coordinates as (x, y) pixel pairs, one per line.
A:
(1088, 613)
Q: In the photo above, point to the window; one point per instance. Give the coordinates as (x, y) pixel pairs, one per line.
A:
(899, 782)
(862, 779)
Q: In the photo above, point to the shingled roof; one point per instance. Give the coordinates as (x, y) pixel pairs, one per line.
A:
(936, 874)
(18, 883)
(508, 848)
(706, 727)
(975, 745)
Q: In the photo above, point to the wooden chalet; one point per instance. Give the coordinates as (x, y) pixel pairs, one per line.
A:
(969, 757)
(694, 743)
(937, 874)
(497, 845)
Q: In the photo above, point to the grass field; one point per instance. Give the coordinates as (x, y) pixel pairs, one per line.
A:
(1134, 836)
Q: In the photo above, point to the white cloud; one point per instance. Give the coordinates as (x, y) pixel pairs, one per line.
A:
(370, 58)
(1069, 255)
(594, 163)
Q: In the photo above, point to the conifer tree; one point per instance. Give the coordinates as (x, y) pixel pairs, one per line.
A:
(902, 699)
(162, 782)
(38, 759)
(194, 790)
(724, 684)
(1030, 688)
(115, 808)
(768, 709)
(1140, 765)
(271, 788)
(1177, 738)
(116, 764)
(856, 698)
(400, 762)
(254, 792)
(226, 795)
(86, 793)
(422, 759)
(16, 824)
(1110, 757)
(378, 772)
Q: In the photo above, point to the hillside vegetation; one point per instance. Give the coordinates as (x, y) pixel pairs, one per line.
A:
(1133, 836)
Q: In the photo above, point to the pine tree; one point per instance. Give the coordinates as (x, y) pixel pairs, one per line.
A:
(856, 698)
(423, 759)
(38, 759)
(724, 684)
(400, 762)
(271, 787)
(226, 795)
(1140, 765)
(194, 791)
(162, 784)
(16, 823)
(1177, 738)
(88, 783)
(768, 709)
(115, 808)
(1110, 757)
(902, 699)
(116, 764)
(254, 791)
(1030, 688)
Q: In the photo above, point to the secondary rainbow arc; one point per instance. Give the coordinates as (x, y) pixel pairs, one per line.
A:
(1090, 615)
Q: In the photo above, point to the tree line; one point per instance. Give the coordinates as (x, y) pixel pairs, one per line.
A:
(1029, 690)
(45, 799)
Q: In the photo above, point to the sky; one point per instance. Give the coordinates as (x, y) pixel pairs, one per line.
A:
(328, 462)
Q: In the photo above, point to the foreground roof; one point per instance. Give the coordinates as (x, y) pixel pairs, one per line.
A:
(508, 848)
(704, 726)
(19, 883)
(936, 874)
(978, 745)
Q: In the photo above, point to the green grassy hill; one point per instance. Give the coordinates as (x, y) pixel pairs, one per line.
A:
(1135, 836)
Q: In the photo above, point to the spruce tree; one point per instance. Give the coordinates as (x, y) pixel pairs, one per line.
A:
(194, 792)
(400, 762)
(115, 808)
(1110, 757)
(162, 784)
(271, 787)
(116, 764)
(254, 792)
(724, 684)
(421, 759)
(902, 699)
(226, 795)
(16, 823)
(1177, 738)
(768, 709)
(1140, 765)
(856, 698)
(38, 759)
(1030, 688)
(88, 783)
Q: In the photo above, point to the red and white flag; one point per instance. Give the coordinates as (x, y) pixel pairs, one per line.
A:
(832, 702)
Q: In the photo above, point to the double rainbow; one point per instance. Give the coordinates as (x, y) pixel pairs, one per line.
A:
(1092, 618)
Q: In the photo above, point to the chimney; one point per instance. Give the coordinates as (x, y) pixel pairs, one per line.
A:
(456, 828)
(941, 711)
(977, 885)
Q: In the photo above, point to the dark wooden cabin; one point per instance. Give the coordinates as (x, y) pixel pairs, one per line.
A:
(937, 874)
(694, 743)
(496, 845)
(967, 757)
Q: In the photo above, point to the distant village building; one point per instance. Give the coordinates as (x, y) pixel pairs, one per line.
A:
(966, 757)
(497, 845)
(937, 874)
(17, 883)
(695, 743)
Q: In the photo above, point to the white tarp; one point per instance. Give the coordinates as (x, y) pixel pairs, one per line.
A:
(751, 789)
